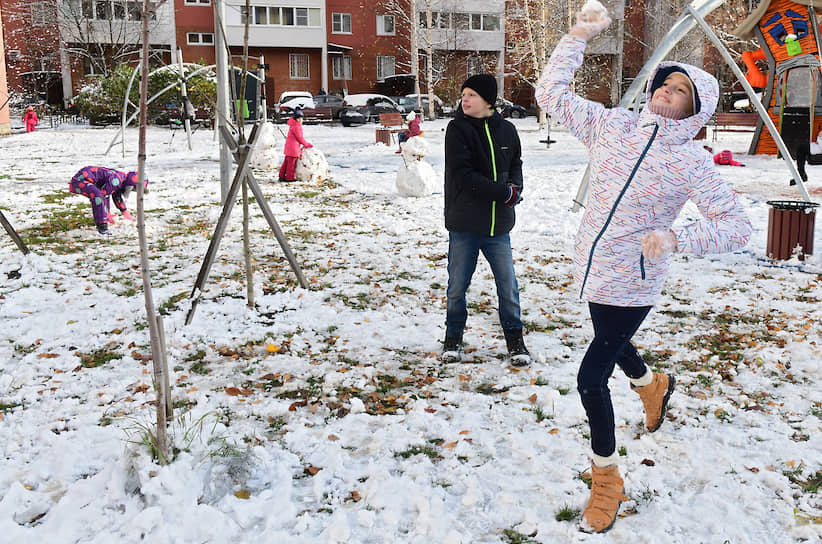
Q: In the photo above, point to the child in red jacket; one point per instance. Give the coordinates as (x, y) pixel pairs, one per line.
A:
(30, 119)
(294, 144)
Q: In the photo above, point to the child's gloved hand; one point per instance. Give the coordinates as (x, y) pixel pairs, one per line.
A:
(658, 243)
(514, 195)
(110, 218)
(591, 20)
(308, 145)
(127, 215)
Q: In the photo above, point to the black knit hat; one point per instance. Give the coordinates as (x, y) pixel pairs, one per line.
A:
(298, 113)
(484, 85)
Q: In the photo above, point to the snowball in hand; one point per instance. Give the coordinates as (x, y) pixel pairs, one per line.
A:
(593, 11)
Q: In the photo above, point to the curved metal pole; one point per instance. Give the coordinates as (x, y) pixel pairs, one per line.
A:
(123, 126)
(680, 28)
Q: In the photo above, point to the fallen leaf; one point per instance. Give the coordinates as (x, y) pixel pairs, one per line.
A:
(272, 348)
(450, 445)
(648, 462)
(242, 494)
(464, 432)
(297, 404)
(553, 431)
(312, 470)
(333, 437)
(431, 410)
(48, 355)
(533, 398)
(753, 469)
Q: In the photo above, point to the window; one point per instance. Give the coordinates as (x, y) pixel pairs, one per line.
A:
(200, 38)
(198, 2)
(283, 16)
(385, 25)
(108, 10)
(341, 23)
(42, 14)
(298, 66)
(341, 66)
(484, 21)
(385, 66)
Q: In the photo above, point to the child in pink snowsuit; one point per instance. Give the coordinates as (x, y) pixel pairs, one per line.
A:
(294, 143)
(30, 119)
(97, 183)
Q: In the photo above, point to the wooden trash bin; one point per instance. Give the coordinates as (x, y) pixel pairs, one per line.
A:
(384, 136)
(790, 228)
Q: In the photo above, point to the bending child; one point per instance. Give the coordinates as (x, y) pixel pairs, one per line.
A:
(294, 144)
(98, 183)
(643, 168)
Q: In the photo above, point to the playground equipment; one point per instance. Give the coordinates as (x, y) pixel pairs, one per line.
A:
(789, 37)
(693, 16)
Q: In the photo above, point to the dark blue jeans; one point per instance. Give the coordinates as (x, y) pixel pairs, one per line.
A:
(614, 326)
(463, 251)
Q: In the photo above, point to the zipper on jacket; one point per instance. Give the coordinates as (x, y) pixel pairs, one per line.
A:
(494, 172)
(613, 209)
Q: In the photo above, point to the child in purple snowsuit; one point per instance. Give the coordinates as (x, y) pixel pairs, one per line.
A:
(98, 184)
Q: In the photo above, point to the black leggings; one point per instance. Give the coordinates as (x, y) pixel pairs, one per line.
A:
(613, 328)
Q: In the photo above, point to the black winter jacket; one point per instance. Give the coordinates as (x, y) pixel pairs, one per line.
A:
(474, 196)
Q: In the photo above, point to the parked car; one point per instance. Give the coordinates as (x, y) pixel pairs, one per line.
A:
(361, 108)
(405, 104)
(329, 101)
(289, 100)
(439, 107)
(506, 108)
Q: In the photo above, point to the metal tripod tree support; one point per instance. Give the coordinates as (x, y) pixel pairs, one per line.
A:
(691, 17)
(243, 153)
(13, 234)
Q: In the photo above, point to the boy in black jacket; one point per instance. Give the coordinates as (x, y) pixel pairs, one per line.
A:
(483, 183)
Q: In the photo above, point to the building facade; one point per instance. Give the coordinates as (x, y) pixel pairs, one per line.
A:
(338, 46)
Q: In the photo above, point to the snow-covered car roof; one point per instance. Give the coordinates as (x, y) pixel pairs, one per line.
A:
(298, 101)
(362, 99)
(288, 95)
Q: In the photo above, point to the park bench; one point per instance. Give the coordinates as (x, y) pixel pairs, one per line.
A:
(735, 122)
(388, 121)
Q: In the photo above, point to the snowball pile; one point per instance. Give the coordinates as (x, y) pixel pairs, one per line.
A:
(415, 177)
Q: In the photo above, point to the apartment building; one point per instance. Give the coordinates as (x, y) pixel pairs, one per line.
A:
(342, 46)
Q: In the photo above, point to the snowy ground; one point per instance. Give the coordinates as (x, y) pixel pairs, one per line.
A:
(323, 415)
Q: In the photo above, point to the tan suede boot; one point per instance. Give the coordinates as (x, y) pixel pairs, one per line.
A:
(606, 495)
(655, 398)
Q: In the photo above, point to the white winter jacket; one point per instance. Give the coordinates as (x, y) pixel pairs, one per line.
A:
(644, 167)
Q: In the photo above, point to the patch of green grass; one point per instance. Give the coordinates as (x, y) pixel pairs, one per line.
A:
(98, 358)
(428, 451)
(9, 407)
(56, 198)
(512, 536)
(171, 304)
(567, 513)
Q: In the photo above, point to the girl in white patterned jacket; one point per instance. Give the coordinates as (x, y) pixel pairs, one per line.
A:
(643, 168)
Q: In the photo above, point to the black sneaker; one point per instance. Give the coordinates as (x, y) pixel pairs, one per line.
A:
(451, 350)
(516, 348)
(102, 228)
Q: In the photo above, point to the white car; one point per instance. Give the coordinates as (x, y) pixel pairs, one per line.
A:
(289, 101)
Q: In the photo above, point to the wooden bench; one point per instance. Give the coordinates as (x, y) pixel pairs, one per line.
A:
(387, 130)
(735, 122)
